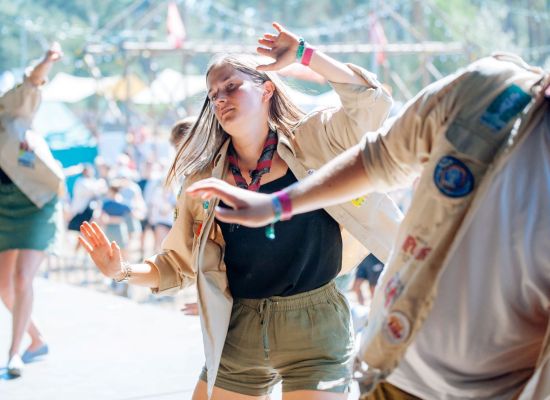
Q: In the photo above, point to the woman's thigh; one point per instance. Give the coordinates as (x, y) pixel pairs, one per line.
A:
(26, 266)
(200, 393)
(7, 269)
(314, 395)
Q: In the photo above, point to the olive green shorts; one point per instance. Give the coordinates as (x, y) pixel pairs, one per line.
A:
(305, 341)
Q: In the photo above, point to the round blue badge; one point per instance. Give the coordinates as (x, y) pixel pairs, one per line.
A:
(453, 178)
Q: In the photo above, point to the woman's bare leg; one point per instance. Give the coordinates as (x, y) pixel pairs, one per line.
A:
(314, 395)
(7, 294)
(26, 265)
(221, 394)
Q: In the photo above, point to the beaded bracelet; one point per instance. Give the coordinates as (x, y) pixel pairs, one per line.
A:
(286, 204)
(277, 208)
(282, 208)
(127, 272)
(300, 49)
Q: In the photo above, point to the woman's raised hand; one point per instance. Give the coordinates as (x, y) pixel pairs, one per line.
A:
(281, 47)
(54, 53)
(105, 254)
(248, 208)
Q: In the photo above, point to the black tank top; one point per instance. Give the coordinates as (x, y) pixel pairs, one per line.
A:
(305, 254)
(4, 179)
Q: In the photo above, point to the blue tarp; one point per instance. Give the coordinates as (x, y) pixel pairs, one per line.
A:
(69, 139)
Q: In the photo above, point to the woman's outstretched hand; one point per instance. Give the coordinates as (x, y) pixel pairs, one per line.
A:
(105, 254)
(281, 47)
(248, 208)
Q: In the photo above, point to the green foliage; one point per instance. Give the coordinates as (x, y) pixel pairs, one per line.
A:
(482, 26)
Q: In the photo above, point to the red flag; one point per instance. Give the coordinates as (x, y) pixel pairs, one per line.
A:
(174, 25)
(377, 36)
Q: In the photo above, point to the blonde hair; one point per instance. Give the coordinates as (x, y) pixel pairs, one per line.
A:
(198, 148)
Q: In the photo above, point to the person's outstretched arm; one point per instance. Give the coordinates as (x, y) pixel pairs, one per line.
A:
(23, 100)
(283, 46)
(106, 255)
(40, 72)
(340, 180)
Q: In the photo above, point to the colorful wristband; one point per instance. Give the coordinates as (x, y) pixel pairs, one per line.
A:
(306, 57)
(286, 204)
(277, 208)
(300, 49)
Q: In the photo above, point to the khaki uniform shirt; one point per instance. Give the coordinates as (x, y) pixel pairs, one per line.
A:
(458, 132)
(45, 179)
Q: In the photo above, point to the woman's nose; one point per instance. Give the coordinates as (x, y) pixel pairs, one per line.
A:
(220, 99)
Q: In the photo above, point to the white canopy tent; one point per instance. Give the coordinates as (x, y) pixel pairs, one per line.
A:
(170, 87)
(69, 88)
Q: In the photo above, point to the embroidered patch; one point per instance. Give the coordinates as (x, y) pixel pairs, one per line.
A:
(416, 247)
(453, 178)
(396, 328)
(358, 202)
(506, 106)
(393, 290)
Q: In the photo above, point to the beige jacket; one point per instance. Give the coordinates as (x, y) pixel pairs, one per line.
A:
(458, 131)
(45, 179)
(193, 250)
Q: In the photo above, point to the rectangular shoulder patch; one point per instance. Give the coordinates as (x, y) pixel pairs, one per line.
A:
(505, 107)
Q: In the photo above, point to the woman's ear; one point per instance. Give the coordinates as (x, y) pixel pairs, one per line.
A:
(269, 89)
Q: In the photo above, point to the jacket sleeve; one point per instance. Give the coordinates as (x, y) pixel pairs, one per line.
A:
(175, 262)
(394, 155)
(21, 102)
(330, 131)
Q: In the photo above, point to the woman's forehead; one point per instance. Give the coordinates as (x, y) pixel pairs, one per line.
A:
(219, 73)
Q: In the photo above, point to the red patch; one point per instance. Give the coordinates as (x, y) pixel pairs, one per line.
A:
(412, 245)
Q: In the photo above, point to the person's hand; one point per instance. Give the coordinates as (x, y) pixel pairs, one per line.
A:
(54, 53)
(248, 208)
(106, 255)
(281, 47)
(190, 309)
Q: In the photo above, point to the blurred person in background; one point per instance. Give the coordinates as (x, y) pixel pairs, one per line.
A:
(31, 181)
(368, 270)
(87, 190)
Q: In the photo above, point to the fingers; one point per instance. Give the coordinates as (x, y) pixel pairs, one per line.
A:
(85, 244)
(266, 42)
(278, 27)
(190, 309)
(115, 251)
(100, 235)
(204, 184)
(89, 234)
(228, 215)
(230, 195)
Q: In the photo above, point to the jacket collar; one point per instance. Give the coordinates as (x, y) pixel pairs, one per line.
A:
(283, 147)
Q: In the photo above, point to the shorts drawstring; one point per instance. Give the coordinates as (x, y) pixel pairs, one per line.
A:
(265, 316)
